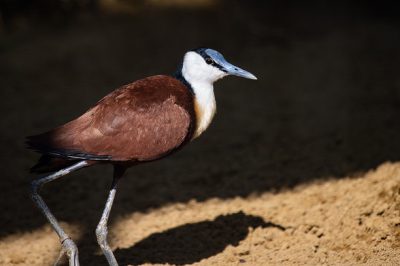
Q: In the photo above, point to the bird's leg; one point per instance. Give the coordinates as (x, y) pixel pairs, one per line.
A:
(68, 246)
(101, 230)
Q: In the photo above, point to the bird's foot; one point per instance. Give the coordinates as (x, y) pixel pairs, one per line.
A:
(69, 248)
(101, 233)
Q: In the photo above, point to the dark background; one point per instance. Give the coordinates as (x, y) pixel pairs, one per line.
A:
(326, 104)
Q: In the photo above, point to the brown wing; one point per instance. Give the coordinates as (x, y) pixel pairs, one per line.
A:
(144, 120)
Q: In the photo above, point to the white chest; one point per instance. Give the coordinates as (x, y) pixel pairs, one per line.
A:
(205, 108)
(201, 77)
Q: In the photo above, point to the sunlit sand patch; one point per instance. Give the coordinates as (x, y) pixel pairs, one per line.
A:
(338, 221)
(39, 247)
(183, 3)
(131, 7)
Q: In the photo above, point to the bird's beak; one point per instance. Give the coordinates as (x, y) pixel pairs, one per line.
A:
(237, 71)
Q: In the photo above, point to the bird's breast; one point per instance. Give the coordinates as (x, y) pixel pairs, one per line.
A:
(205, 108)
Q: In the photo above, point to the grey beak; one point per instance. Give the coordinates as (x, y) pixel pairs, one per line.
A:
(236, 71)
(228, 67)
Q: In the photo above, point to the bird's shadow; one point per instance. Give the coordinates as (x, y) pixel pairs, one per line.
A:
(190, 243)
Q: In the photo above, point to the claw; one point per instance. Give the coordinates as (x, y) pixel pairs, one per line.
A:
(60, 256)
(69, 247)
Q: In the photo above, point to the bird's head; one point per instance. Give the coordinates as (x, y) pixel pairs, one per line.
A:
(204, 65)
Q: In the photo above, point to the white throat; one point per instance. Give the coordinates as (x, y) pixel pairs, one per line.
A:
(201, 77)
(205, 106)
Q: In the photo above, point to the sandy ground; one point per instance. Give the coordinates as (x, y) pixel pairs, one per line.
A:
(338, 222)
(300, 167)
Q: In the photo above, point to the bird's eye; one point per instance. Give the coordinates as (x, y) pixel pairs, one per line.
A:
(209, 60)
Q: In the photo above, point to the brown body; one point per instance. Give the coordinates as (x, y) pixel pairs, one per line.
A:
(141, 121)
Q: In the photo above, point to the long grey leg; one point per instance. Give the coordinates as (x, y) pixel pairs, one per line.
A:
(101, 230)
(68, 246)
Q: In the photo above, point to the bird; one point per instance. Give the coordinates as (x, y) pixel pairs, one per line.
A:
(143, 121)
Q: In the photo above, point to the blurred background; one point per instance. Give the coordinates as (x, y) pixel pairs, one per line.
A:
(326, 104)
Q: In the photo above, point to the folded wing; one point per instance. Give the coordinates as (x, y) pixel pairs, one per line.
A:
(141, 121)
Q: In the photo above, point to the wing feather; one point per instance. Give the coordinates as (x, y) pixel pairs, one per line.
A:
(141, 121)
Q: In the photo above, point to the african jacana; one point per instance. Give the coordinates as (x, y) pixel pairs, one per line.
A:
(139, 122)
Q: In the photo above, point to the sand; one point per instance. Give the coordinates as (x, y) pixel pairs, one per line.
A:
(301, 167)
(338, 222)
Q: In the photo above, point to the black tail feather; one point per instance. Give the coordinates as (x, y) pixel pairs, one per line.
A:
(49, 163)
(41, 144)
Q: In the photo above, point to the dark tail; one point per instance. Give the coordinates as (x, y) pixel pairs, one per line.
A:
(48, 163)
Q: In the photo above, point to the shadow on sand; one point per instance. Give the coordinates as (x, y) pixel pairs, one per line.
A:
(191, 243)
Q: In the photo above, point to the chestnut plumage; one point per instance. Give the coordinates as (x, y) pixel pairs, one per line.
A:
(139, 122)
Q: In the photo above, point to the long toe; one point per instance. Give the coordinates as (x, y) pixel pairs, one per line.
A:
(72, 251)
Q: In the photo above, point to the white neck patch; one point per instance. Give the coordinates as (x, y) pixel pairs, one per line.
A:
(201, 77)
